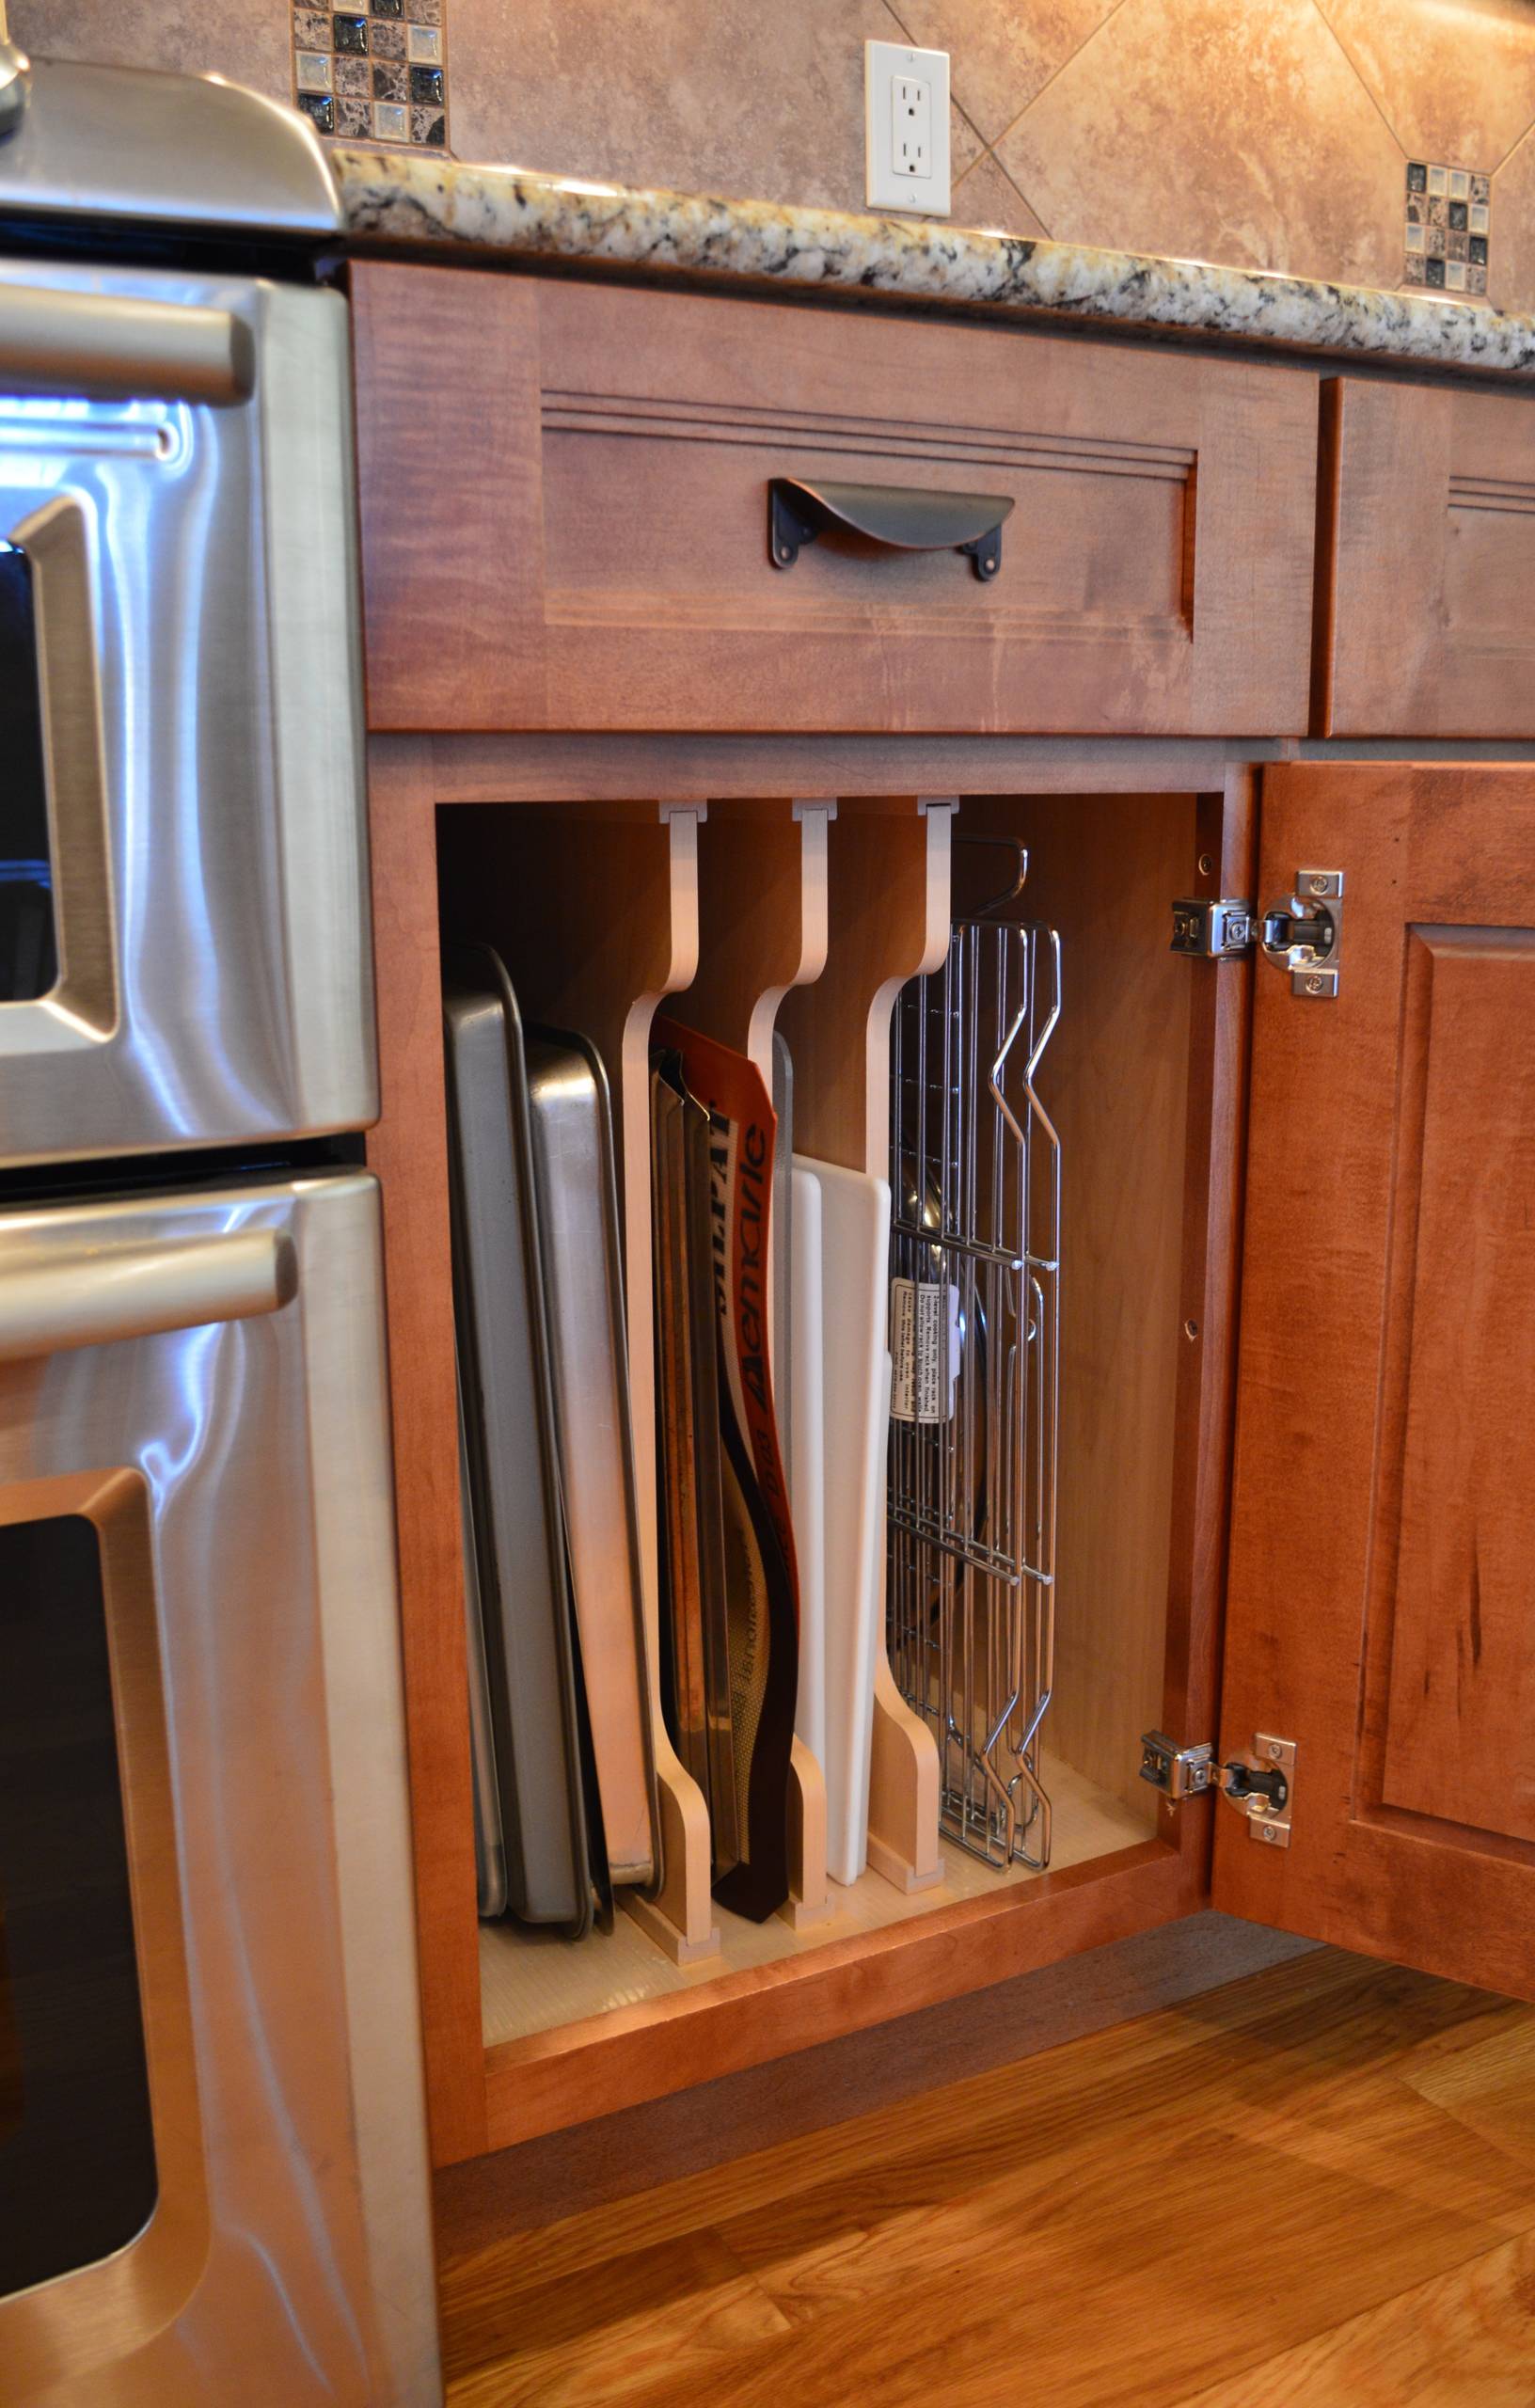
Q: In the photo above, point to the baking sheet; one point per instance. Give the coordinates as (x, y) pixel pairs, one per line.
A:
(510, 1443)
(584, 1297)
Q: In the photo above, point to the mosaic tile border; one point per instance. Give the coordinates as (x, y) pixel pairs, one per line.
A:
(377, 72)
(1450, 216)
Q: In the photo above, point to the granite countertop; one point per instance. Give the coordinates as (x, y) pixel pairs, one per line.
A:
(393, 198)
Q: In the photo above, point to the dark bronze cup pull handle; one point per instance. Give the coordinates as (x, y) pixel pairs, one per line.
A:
(901, 517)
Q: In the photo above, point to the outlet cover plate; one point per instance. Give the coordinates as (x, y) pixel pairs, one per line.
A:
(906, 108)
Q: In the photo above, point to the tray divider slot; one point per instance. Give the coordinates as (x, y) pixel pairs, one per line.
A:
(762, 932)
(595, 910)
(888, 920)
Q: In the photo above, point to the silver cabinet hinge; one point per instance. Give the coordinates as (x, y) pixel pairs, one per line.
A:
(1261, 1783)
(1305, 934)
(1213, 930)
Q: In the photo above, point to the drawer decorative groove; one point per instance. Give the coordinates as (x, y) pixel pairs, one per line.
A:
(613, 415)
(1492, 493)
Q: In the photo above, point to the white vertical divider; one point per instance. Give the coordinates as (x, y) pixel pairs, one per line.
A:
(888, 921)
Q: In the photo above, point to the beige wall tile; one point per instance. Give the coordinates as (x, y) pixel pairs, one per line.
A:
(766, 102)
(1001, 52)
(244, 40)
(1254, 131)
(1209, 129)
(987, 197)
(1511, 262)
(1454, 78)
(965, 144)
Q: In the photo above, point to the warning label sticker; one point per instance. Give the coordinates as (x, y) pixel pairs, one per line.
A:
(924, 1350)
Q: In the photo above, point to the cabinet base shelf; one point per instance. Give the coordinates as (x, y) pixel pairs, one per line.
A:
(568, 2040)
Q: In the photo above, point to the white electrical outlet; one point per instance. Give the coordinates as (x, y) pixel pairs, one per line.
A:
(912, 126)
(905, 128)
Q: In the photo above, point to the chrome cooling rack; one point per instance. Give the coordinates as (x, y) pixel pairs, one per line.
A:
(975, 1188)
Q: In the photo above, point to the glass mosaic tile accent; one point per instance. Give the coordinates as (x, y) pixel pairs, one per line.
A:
(1449, 219)
(376, 73)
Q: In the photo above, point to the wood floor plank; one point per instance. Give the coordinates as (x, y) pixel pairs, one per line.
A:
(666, 2315)
(1489, 2086)
(1463, 2339)
(1064, 2276)
(1313, 1994)
(1059, 2225)
(1096, 2311)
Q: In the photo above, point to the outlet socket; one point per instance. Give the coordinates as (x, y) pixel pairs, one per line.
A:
(905, 128)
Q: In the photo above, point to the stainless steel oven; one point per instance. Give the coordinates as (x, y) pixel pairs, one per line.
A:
(213, 2182)
(183, 921)
(212, 2173)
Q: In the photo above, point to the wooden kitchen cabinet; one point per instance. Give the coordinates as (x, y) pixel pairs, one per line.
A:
(572, 529)
(1382, 1602)
(525, 2037)
(1426, 562)
(1380, 1617)
(1298, 1484)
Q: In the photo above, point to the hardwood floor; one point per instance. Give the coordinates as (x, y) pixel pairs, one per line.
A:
(1313, 2189)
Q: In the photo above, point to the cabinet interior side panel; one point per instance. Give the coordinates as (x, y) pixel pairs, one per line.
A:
(1104, 870)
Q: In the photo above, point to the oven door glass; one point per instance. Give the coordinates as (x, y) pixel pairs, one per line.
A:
(28, 942)
(77, 2169)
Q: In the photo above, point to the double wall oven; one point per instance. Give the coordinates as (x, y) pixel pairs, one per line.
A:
(213, 2183)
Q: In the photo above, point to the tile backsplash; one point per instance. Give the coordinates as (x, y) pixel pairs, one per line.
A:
(378, 73)
(1449, 227)
(1327, 139)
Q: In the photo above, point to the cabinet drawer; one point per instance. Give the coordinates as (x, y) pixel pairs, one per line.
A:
(567, 527)
(1428, 586)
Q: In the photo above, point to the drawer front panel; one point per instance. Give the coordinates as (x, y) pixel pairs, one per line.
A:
(615, 573)
(1427, 624)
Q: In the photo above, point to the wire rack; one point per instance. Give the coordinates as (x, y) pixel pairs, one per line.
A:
(976, 1190)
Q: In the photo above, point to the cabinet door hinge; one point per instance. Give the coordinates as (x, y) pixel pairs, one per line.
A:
(1213, 930)
(1303, 934)
(1261, 1783)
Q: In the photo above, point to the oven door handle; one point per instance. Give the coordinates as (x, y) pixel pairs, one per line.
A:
(58, 1301)
(101, 346)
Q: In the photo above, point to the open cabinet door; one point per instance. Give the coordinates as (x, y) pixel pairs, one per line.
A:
(1382, 1601)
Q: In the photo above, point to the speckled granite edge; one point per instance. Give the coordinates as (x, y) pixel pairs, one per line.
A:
(390, 196)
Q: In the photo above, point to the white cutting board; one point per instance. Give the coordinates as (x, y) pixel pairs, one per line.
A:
(855, 1391)
(807, 1461)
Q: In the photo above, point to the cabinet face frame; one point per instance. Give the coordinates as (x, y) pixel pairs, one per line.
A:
(1384, 1479)
(481, 2099)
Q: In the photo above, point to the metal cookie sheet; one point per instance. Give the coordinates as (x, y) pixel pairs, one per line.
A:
(509, 1422)
(583, 1291)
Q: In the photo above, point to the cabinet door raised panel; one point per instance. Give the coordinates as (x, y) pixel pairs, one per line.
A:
(1427, 576)
(1382, 1601)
